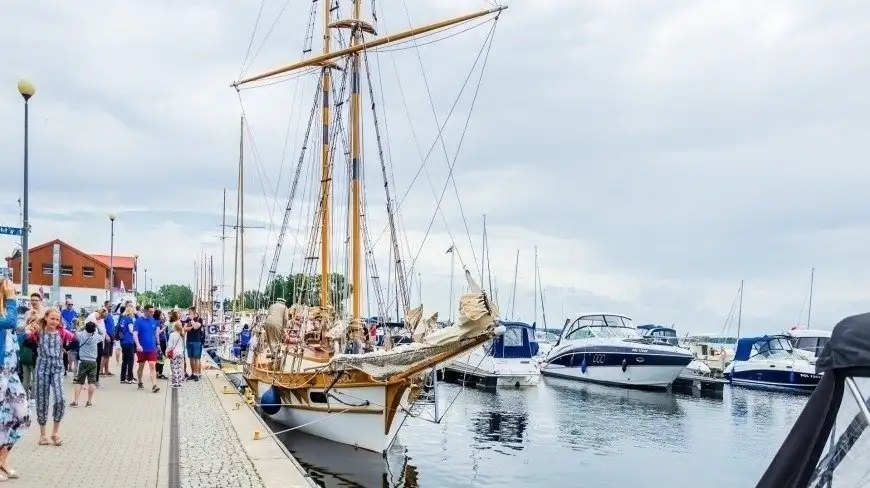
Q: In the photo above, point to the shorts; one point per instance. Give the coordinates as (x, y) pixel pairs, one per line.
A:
(117, 345)
(146, 356)
(194, 350)
(87, 370)
(107, 348)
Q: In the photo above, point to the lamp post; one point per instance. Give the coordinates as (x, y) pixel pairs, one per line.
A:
(112, 258)
(145, 280)
(136, 273)
(26, 89)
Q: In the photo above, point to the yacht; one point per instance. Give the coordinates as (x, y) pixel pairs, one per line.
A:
(668, 335)
(716, 351)
(606, 348)
(505, 361)
(808, 342)
(770, 362)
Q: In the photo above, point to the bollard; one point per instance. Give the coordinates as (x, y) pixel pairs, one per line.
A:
(258, 435)
(238, 405)
(228, 390)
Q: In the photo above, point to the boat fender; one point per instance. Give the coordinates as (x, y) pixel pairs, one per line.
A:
(500, 330)
(270, 402)
(790, 373)
(582, 363)
(624, 365)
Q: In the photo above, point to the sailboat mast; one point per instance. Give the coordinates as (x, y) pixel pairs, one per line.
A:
(236, 230)
(535, 295)
(241, 215)
(325, 177)
(740, 310)
(355, 155)
(810, 309)
(223, 258)
(514, 290)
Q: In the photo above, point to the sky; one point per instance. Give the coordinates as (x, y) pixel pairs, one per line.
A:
(656, 153)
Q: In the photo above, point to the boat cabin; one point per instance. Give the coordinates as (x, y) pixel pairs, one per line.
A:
(812, 341)
(518, 341)
(659, 333)
(763, 347)
(603, 326)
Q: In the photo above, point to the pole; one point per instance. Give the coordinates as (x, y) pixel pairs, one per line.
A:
(452, 273)
(740, 310)
(325, 174)
(223, 259)
(112, 260)
(514, 291)
(145, 279)
(810, 309)
(356, 182)
(535, 297)
(25, 224)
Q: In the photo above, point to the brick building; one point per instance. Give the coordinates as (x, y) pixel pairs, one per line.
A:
(84, 277)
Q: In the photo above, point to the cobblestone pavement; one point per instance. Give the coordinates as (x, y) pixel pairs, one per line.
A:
(114, 443)
(210, 453)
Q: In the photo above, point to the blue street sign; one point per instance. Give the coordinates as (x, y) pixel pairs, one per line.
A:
(10, 231)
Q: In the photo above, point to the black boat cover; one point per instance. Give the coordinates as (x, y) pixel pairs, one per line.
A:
(831, 422)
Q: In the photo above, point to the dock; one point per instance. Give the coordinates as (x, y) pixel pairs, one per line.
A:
(194, 437)
(705, 385)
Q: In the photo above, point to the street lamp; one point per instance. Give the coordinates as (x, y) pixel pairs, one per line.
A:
(112, 259)
(145, 280)
(136, 273)
(27, 90)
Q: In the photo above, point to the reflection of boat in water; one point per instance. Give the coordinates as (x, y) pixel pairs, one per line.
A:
(579, 408)
(334, 465)
(504, 428)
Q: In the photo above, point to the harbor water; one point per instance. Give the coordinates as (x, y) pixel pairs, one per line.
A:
(567, 432)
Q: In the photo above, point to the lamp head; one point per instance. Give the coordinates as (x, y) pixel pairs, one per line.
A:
(112, 217)
(26, 89)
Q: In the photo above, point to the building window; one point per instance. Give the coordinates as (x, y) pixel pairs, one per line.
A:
(68, 296)
(66, 270)
(47, 296)
(29, 267)
(93, 299)
(47, 269)
(88, 271)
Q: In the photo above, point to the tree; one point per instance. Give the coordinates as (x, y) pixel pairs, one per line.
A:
(306, 289)
(175, 295)
(147, 297)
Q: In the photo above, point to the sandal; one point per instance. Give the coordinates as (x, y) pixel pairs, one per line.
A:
(74, 404)
(43, 441)
(89, 404)
(155, 389)
(9, 473)
(57, 440)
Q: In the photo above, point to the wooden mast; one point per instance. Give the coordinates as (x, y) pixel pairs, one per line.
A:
(325, 173)
(239, 190)
(355, 183)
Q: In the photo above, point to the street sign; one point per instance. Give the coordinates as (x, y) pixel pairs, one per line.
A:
(11, 231)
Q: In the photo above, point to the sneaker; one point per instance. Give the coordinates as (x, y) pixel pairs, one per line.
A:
(195, 378)
(88, 404)
(74, 404)
(155, 389)
(140, 387)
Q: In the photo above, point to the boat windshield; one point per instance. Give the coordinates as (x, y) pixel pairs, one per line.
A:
(777, 347)
(602, 326)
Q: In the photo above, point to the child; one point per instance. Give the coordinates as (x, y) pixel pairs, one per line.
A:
(176, 345)
(50, 338)
(89, 339)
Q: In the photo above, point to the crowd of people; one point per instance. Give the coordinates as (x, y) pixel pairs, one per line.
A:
(52, 343)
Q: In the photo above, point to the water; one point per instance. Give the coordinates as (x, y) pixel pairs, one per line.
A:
(564, 431)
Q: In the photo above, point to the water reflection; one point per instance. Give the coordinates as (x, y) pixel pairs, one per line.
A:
(334, 465)
(584, 414)
(505, 429)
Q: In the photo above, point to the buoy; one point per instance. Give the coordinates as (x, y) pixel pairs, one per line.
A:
(583, 365)
(270, 402)
(258, 435)
(624, 365)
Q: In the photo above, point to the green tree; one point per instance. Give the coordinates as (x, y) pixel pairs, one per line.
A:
(175, 295)
(147, 297)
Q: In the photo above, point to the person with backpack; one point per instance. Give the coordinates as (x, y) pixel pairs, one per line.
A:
(89, 341)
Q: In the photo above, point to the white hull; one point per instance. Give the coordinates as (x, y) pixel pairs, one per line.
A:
(498, 372)
(634, 376)
(362, 430)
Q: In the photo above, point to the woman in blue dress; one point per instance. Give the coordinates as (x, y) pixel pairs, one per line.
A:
(14, 414)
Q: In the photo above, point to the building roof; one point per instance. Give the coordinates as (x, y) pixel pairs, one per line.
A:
(120, 262)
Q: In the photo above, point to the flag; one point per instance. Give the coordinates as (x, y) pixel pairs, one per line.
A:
(449, 250)
(122, 287)
(41, 291)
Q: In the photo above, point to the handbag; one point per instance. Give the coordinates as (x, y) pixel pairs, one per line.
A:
(170, 352)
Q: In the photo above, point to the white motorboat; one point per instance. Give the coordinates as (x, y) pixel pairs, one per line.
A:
(505, 361)
(606, 348)
(770, 362)
(808, 342)
(668, 335)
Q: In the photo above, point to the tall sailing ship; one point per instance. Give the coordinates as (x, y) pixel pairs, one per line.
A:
(312, 363)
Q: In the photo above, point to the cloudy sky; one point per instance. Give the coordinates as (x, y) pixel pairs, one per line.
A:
(656, 153)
